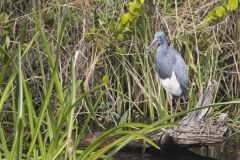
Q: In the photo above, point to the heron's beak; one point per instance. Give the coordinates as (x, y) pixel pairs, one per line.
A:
(151, 45)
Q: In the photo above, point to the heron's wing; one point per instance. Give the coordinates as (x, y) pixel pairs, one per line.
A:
(180, 70)
(165, 65)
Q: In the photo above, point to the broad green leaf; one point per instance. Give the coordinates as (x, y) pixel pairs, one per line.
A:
(141, 1)
(220, 11)
(138, 3)
(232, 5)
(131, 16)
(211, 16)
(124, 19)
(135, 8)
(132, 6)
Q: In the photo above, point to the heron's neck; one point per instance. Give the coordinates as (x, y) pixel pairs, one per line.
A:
(163, 48)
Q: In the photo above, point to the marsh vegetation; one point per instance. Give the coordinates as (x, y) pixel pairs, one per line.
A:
(70, 68)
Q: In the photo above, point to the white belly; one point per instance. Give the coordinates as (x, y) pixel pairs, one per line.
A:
(171, 85)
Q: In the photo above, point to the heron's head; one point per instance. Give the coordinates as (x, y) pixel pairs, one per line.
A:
(159, 38)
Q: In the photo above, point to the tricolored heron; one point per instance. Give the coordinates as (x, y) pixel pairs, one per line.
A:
(171, 68)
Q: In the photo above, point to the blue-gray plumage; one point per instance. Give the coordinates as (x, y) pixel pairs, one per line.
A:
(171, 67)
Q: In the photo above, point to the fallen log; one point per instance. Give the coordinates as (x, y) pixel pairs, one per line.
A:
(198, 128)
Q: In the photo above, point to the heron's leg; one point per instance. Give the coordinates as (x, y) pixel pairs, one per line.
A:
(169, 97)
(171, 106)
(178, 104)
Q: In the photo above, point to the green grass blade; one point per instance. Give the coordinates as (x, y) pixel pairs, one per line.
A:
(31, 115)
(102, 138)
(83, 129)
(43, 107)
(50, 57)
(13, 75)
(69, 152)
(6, 90)
(89, 105)
(59, 150)
(160, 123)
(117, 142)
(3, 142)
(20, 104)
(7, 65)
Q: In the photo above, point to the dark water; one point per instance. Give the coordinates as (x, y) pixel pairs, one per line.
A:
(230, 150)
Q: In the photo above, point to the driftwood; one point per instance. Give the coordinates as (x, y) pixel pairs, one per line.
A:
(197, 128)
